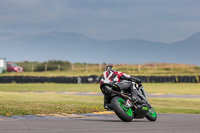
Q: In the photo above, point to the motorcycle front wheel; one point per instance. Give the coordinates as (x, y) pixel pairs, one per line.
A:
(151, 114)
(124, 113)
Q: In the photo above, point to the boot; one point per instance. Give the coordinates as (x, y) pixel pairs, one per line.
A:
(107, 107)
(140, 102)
(133, 98)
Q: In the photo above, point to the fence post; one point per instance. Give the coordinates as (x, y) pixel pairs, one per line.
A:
(187, 68)
(58, 67)
(33, 68)
(99, 67)
(155, 68)
(171, 68)
(139, 68)
(45, 67)
(72, 67)
(86, 67)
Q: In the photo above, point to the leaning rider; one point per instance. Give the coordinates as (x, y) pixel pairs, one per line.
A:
(110, 75)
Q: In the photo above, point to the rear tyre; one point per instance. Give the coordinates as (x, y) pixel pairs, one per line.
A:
(125, 114)
(151, 114)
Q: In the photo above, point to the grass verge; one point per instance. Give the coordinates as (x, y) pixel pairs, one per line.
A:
(147, 72)
(50, 87)
(165, 88)
(175, 105)
(15, 103)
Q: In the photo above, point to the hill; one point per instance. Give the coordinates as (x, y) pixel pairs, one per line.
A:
(76, 47)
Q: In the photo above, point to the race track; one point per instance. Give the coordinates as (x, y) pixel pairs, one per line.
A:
(166, 123)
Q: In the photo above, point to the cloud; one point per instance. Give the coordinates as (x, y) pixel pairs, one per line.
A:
(26, 11)
(103, 19)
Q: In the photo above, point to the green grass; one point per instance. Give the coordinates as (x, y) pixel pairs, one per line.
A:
(165, 88)
(12, 102)
(15, 103)
(176, 105)
(98, 73)
(50, 87)
(173, 88)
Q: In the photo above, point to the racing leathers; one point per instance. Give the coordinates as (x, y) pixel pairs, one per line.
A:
(122, 80)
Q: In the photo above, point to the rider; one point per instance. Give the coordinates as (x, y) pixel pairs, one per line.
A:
(110, 75)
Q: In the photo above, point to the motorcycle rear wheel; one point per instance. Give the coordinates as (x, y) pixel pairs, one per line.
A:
(125, 114)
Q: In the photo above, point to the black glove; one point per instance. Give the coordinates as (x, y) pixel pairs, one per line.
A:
(138, 81)
(134, 79)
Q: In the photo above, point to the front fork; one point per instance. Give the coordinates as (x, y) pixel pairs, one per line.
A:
(142, 95)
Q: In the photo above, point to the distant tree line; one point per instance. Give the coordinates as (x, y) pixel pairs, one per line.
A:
(50, 65)
(59, 65)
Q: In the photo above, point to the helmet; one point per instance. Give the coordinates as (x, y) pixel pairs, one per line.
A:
(110, 68)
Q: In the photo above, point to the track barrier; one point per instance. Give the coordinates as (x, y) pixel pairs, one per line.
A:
(96, 79)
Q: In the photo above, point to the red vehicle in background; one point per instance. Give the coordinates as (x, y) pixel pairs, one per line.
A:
(12, 67)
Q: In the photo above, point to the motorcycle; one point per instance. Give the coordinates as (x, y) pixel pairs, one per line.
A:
(124, 107)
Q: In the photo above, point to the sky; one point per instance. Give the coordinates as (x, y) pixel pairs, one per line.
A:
(155, 20)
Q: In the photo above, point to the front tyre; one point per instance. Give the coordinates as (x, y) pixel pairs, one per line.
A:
(151, 114)
(118, 105)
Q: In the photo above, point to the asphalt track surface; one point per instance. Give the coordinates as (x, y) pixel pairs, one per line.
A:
(166, 123)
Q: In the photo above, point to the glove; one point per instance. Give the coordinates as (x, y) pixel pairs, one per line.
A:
(138, 81)
(134, 79)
